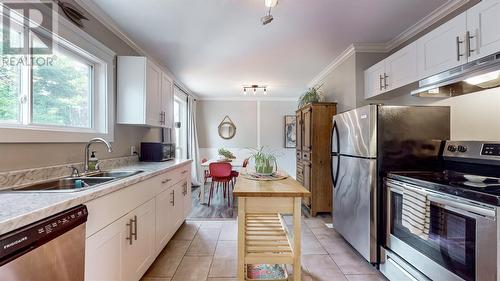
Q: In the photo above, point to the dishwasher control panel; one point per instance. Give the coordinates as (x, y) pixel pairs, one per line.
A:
(19, 241)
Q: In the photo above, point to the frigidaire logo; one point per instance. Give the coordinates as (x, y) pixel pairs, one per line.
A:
(27, 32)
(15, 242)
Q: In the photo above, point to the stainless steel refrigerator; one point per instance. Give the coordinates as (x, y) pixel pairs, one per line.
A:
(367, 143)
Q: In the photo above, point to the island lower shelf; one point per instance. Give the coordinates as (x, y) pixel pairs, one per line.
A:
(267, 240)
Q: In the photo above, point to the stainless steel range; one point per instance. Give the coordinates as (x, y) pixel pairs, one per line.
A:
(443, 225)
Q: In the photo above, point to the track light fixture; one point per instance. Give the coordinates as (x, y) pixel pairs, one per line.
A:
(269, 18)
(255, 88)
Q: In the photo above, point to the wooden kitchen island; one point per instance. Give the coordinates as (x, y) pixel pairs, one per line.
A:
(262, 232)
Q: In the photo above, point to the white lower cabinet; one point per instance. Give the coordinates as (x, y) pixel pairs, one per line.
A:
(139, 249)
(125, 248)
(187, 198)
(165, 227)
(103, 253)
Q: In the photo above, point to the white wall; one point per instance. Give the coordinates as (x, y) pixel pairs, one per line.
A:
(250, 133)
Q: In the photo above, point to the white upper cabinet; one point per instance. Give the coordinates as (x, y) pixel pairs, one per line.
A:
(154, 113)
(374, 80)
(167, 100)
(401, 67)
(396, 71)
(143, 93)
(443, 48)
(483, 29)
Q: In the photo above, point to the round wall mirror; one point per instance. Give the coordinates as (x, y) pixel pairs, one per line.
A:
(227, 129)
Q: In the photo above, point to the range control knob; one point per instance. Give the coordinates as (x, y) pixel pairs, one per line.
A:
(452, 148)
(462, 148)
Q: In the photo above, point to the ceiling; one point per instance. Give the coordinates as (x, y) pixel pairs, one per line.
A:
(216, 46)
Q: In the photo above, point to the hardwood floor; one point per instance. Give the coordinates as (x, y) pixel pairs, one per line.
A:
(218, 206)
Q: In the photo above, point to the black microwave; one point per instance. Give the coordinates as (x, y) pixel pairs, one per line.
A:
(157, 151)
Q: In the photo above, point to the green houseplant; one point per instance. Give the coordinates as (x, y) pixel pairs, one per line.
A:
(312, 95)
(265, 162)
(228, 155)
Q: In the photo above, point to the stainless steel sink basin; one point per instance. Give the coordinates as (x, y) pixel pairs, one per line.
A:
(115, 174)
(77, 183)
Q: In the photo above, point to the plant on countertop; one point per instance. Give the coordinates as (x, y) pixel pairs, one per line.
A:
(265, 162)
(312, 95)
(226, 154)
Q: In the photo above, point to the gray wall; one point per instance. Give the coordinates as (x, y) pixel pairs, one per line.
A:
(23, 156)
(245, 115)
(340, 85)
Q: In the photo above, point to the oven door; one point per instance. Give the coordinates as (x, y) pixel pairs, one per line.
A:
(461, 243)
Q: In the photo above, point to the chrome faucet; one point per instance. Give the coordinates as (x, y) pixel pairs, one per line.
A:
(87, 150)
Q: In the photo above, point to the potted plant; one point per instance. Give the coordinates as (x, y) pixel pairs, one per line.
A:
(312, 95)
(265, 162)
(226, 154)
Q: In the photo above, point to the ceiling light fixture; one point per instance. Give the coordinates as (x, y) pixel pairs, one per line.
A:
(269, 18)
(255, 88)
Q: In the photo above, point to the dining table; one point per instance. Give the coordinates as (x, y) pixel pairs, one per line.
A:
(236, 163)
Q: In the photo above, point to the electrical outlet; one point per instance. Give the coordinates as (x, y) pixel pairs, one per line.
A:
(132, 150)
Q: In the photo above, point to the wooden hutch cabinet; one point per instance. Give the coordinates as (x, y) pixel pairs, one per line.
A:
(314, 126)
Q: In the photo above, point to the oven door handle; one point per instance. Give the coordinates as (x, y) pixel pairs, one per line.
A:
(487, 212)
(444, 200)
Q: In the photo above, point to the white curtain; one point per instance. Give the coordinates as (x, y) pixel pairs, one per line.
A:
(193, 147)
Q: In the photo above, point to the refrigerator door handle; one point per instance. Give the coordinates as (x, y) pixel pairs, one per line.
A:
(335, 133)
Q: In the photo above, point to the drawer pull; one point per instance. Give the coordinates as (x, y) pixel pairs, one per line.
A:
(184, 172)
(165, 181)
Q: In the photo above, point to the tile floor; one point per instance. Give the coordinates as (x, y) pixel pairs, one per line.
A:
(206, 251)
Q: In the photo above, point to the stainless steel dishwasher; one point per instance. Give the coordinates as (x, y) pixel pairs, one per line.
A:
(51, 249)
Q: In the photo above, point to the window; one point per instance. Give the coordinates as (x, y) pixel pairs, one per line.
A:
(65, 96)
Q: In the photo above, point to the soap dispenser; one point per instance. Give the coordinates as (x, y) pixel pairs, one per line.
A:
(93, 161)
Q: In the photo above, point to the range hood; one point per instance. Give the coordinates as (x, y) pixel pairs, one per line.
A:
(471, 77)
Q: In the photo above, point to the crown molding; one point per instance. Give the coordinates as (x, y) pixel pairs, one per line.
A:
(432, 18)
(95, 11)
(444, 10)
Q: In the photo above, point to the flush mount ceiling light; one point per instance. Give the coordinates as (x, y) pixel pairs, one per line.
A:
(269, 18)
(255, 89)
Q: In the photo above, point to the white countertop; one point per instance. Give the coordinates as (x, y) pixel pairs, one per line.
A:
(20, 209)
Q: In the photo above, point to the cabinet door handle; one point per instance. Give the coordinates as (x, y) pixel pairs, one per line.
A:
(381, 78)
(459, 55)
(385, 81)
(185, 185)
(173, 198)
(135, 228)
(165, 181)
(132, 229)
(468, 38)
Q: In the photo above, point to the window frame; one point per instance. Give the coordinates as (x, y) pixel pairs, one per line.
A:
(73, 42)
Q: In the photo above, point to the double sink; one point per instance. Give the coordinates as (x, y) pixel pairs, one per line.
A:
(74, 184)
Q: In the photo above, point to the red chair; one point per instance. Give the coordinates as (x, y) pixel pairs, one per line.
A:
(221, 174)
(235, 174)
(207, 173)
